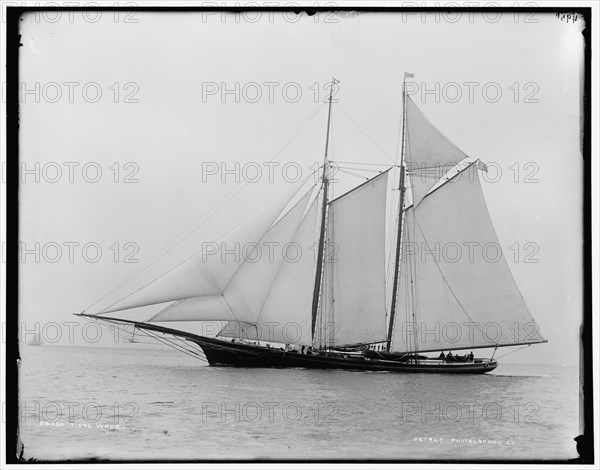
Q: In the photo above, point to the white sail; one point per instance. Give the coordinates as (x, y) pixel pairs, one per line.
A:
(210, 270)
(456, 289)
(287, 312)
(209, 307)
(244, 295)
(429, 153)
(355, 267)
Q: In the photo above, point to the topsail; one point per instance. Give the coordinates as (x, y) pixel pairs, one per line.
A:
(429, 153)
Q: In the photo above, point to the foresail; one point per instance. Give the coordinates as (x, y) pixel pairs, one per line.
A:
(208, 272)
(286, 314)
(353, 308)
(244, 295)
(429, 153)
(456, 289)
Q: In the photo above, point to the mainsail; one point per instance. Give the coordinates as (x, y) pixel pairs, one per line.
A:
(456, 289)
(354, 306)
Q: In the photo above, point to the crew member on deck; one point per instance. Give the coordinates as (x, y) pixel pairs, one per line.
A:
(449, 357)
(470, 356)
(442, 356)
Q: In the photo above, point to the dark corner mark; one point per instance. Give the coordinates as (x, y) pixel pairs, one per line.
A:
(587, 446)
(14, 445)
(585, 441)
(308, 12)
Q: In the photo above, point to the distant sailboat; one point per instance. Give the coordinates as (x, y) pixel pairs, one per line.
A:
(36, 340)
(343, 308)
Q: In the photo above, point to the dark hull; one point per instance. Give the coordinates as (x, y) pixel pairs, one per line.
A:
(225, 353)
(236, 354)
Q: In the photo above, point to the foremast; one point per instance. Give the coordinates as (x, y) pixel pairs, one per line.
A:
(322, 232)
(401, 188)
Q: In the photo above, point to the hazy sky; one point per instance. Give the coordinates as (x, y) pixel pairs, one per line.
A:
(181, 90)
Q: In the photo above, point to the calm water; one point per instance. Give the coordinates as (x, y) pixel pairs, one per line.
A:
(168, 406)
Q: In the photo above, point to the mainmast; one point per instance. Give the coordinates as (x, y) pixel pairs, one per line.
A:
(319, 273)
(400, 214)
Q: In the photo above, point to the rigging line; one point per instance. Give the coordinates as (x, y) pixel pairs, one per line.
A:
(171, 305)
(381, 173)
(101, 324)
(448, 302)
(362, 177)
(326, 308)
(527, 318)
(366, 135)
(130, 337)
(407, 282)
(514, 351)
(373, 170)
(184, 348)
(207, 215)
(189, 345)
(438, 169)
(141, 333)
(178, 348)
(123, 333)
(407, 302)
(389, 270)
(401, 125)
(390, 264)
(243, 329)
(392, 103)
(410, 284)
(387, 165)
(414, 286)
(443, 181)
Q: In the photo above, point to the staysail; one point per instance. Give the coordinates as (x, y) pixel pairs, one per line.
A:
(456, 289)
(354, 307)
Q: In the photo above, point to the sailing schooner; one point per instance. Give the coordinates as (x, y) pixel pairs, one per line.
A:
(331, 296)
